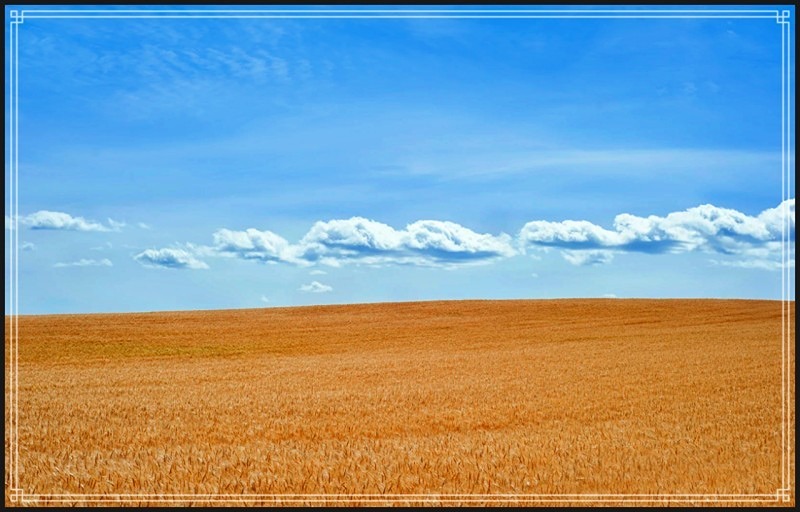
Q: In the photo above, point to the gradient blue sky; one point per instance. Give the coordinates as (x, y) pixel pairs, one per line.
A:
(149, 147)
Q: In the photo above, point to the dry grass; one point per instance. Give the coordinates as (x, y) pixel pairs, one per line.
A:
(468, 397)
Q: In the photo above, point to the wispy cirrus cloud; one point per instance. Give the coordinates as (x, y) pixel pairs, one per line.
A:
(172, 79)
(105, 262)
(169, 258)
(705, 228)
(517, 159)
(762, 264)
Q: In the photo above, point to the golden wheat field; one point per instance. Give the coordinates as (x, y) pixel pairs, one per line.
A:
(537, 402)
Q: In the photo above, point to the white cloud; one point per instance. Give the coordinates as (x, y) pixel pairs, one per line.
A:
(27, 246)
(704, 228)
(568, 233)
(534, 274)
(317, 272)
(264, 298)
(169, 258)
(423, 243)
(252, 244)
(433, 243)
(364, 241)
(450, 239)
(86, 263)
(45, 219)
(198, 250)
(609, 296)
(593, 257)
(143, 225)
(315, 287)
(353, 232)
(115, 225)
(773, 219)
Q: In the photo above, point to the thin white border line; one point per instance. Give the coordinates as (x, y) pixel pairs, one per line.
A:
(421, 11)
(414, 500)
(783, 253)
(788, 484)
(774, 499)
(602, 14)
(789, 280)
(14, 270)
(11, 252)
(787, 127)
(16, 243)
(786, 271)
(424, 495)
(349, 16)
(785, 90)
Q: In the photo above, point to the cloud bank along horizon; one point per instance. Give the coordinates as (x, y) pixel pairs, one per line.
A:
(705, 228)
(269, 162)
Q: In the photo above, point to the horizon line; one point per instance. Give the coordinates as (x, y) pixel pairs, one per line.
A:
(377, 303)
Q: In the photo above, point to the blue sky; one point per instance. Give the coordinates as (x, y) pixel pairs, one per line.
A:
(170, 164)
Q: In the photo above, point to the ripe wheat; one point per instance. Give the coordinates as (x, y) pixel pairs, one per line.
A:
(440, 398)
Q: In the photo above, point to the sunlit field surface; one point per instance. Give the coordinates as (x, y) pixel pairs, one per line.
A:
(545, 397)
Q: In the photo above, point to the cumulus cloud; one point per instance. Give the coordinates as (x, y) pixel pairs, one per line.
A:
(423, 243)
(169, 258)
(45, 219)
(434, 243)
(315, 287)
(568, 233)
(86, 263)
(450, 241)
(779, 219)
(252, 244)
(365, 241)
(704, 228)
